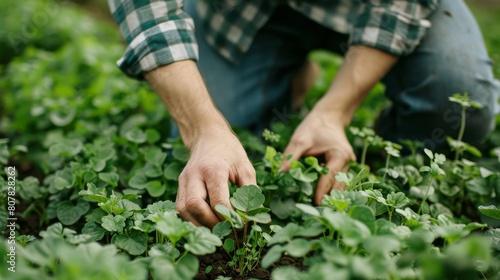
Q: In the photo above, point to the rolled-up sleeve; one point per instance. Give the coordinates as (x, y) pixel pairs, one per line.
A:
(158, 32)
(396, 27)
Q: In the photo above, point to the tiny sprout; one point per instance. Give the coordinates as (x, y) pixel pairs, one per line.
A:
(464, 101)
(271, 136)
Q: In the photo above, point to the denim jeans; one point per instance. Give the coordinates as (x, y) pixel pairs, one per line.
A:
(451, 59)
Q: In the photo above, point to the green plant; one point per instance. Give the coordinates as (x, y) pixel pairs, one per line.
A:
(245, 252)
(458, 145)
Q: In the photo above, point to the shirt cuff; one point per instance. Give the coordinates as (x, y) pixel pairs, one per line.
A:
(390, 31)
(160, 45)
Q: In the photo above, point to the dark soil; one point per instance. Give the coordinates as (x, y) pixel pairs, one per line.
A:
(220, 259)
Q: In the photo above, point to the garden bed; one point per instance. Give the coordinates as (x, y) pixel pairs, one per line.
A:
(94, 176)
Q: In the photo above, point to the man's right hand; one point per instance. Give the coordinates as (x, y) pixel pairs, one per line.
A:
(216, 155)
(215, 158)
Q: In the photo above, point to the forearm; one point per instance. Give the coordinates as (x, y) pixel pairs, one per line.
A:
(182, 90)
(362, 69)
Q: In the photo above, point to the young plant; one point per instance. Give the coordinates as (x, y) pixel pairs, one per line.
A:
(249, 213)
(434, 170)
(458, 145)
(392, 149)
(369, 139)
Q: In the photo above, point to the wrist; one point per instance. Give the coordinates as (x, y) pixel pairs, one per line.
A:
(204, 126)
(334, 110)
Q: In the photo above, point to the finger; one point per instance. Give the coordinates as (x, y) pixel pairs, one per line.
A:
(191, 202)
(246, 176)
(218, 189)
(327, 182)
(296, 148)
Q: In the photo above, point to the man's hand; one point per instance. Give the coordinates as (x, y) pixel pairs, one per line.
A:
(216, 158)
(216, 155)
(319, 135)
(322, 131)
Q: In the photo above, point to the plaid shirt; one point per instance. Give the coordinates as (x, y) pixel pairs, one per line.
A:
(159, 32)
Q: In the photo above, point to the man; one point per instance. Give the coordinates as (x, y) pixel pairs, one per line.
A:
(251, 56)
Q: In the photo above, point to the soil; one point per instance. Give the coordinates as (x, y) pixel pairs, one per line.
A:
(220, 259)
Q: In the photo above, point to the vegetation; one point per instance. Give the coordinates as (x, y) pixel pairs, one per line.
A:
(85, 156)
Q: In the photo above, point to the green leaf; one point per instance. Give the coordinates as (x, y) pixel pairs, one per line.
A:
(490, 211)
(94, 230)
(229, 245)
(273, 255)
(135, 242)
(429, 153)
(69, 214)
(247, 198)
(64, 117)
(172, 171)
(308, 209)
(263, 218)
(382, 245)
(282, 207)
(298, 174)
(343, 178)
(298, 247)
(363, 214)
(164, 250)
(154, 156)
(222, 229)
(156, 189)
(173, 227)
(111, 178)
(152, 135)
(230, 215)
(201, 241)
(113, 223)
(181, 154)
(66, 148)
(139, 181)
(136, 135)
(161, 207)
(185, 268)
(152, 171)
(97, 164)
(313, 162)
(397, 200)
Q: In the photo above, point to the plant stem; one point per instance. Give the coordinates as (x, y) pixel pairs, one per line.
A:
(242, 256)
(425, 196)
(461, 133)
(386, 166)
(363, 154)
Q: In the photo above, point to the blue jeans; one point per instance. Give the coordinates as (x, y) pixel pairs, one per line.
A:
(451, 59)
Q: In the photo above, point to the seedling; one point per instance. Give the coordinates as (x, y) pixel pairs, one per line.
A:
(249, 213)
(458, 145)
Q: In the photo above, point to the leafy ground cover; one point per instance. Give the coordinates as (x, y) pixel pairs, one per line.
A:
(88, 171)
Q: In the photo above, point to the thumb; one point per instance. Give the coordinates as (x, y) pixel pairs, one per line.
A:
(296, 149)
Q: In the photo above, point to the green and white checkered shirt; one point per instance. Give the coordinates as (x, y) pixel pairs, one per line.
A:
(159, 32)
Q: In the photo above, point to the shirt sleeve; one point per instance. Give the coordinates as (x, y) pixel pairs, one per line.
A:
(158, 32)
(396, 27)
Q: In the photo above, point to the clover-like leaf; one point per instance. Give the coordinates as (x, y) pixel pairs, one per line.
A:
(113, 223)
(134, 242)
(110, 178)
(490, 211)
(222, 229)
(201, 241)
(69, 214)
(231, 216)
(247, 198)
(173, 227)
